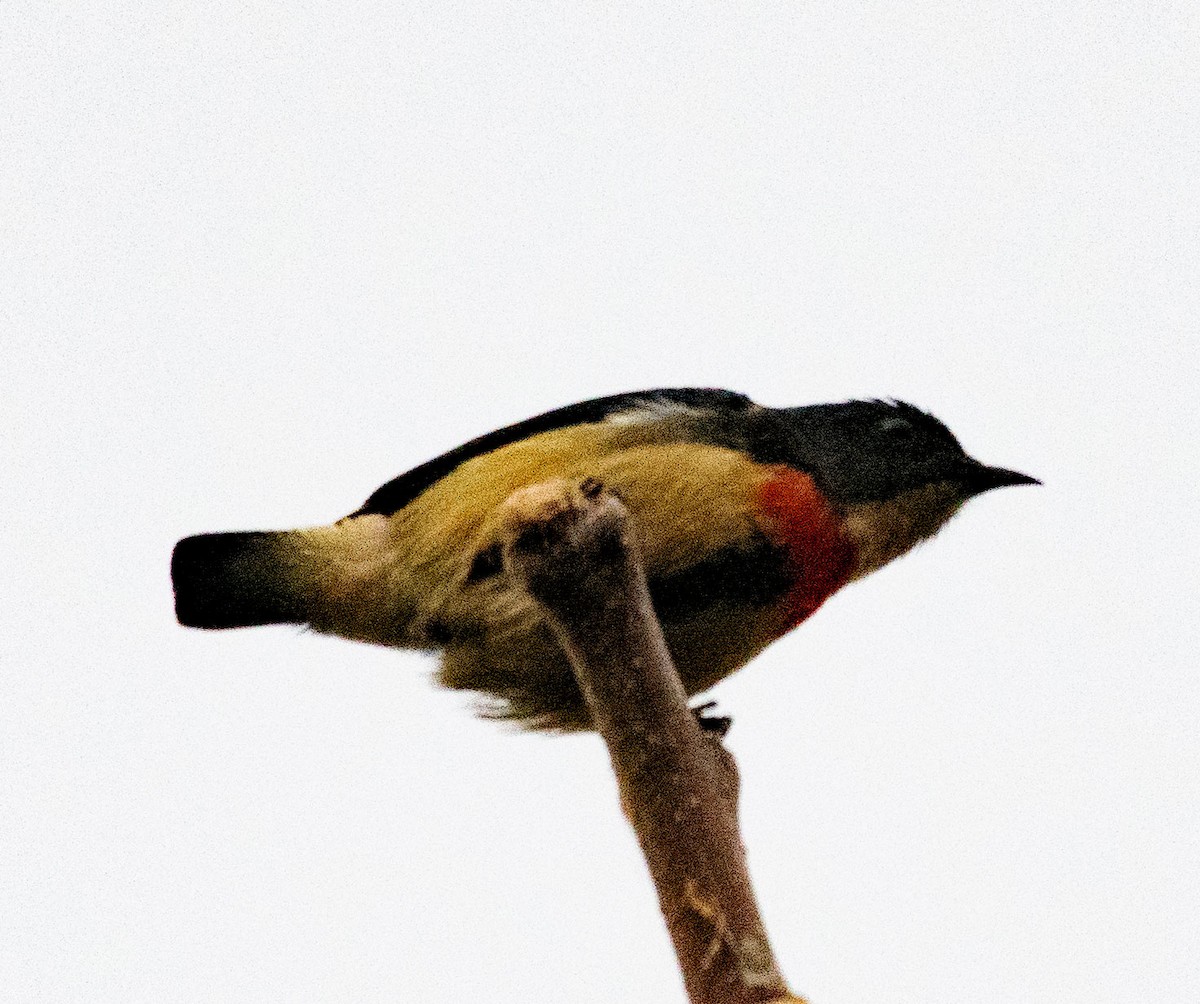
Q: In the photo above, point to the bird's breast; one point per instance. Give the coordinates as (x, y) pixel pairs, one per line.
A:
(797, 518)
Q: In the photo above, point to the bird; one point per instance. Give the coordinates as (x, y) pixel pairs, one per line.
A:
(748, 518)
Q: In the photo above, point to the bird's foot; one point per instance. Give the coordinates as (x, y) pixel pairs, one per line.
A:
(718, 725)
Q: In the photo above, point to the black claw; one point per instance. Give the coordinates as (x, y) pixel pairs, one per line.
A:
(718, 725)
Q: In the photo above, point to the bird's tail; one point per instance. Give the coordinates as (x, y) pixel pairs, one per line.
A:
(228, 580)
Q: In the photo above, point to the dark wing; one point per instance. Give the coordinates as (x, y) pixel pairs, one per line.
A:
(398, 492)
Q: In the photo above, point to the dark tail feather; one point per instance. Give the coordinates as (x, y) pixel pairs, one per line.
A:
(228, 580)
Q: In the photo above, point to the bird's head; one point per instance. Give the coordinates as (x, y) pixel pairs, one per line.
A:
(895, 472)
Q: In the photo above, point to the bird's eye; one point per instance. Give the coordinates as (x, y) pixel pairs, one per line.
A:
(896, 428)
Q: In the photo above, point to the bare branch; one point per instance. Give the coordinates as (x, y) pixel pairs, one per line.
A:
(572, 547)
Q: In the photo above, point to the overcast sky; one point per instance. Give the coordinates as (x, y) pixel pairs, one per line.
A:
(257, 259)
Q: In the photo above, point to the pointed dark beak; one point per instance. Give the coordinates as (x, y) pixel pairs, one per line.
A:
(979, 478)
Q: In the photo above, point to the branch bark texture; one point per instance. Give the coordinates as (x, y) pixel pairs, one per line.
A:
(572, 547)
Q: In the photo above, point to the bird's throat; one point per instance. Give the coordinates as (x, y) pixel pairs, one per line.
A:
(882, 531)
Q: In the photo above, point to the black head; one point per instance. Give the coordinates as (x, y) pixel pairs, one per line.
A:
(871, 451)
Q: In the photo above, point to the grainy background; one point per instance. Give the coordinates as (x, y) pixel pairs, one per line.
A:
(257, 259)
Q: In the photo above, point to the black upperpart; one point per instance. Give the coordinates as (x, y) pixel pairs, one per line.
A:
(398, 492)
(868, 451)
(857, 451)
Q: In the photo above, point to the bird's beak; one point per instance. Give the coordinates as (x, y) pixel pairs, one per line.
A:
(979, 478)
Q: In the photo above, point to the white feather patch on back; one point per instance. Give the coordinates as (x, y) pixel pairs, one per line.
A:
(653, 410)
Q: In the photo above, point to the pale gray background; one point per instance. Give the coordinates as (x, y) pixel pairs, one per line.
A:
(257, 259)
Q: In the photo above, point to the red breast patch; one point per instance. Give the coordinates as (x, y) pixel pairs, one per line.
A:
(796, 516)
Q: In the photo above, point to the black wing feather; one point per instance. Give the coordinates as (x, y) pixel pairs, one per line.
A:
(398, 492)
